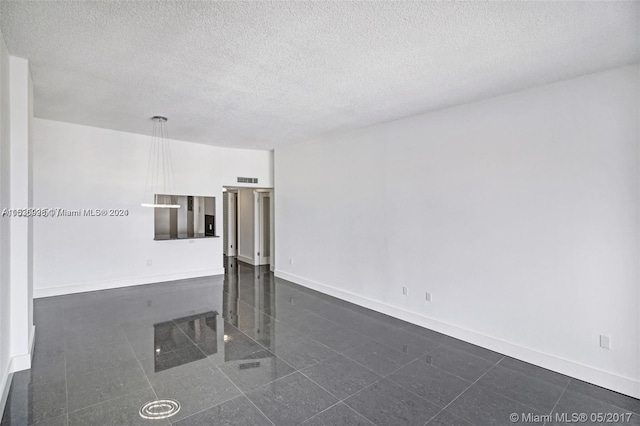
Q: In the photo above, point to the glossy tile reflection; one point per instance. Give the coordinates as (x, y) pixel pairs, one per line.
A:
(184, 340)
(249, 349)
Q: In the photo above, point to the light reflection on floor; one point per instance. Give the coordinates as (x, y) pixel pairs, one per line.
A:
(249, 349)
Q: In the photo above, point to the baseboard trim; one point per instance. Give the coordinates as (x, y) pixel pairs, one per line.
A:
(17, 363)
(598, 377)
(32, 339)
(245, 259)
(20, 362)
(5, 386)
(126, 282)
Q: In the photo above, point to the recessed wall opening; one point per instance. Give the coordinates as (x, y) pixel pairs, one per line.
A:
(194, 217)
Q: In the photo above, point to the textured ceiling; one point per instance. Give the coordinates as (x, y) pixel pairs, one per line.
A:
(259, 74)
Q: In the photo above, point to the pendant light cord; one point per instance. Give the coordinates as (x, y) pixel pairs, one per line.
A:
(160, 161)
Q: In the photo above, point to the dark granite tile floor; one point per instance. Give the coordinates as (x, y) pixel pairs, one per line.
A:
(250, 349)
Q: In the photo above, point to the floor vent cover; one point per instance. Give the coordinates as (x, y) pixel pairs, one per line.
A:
(160, 409)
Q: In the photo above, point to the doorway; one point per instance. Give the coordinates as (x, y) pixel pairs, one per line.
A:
(248, 225)
(263, 227)
(230, 211)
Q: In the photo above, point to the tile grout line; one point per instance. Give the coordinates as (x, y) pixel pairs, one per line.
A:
(319, 412)
(466, 389)
(414, 360)
(497, 393)
(302, 335)
(252, 339)
(398, 384)
(510, 398)
(264, 348)
(351, 396)
(188, 338)
(295, 370)
(530, 377)
(140, 365)
(613, 404)
(362, 365)
(395, 327)
(502, 356)
(242, 393)
(308, 338)
(381, 375)
(319, 385)
(108, 400)
(418, 395)
(454, 415)
(448, 372)
(66, 380)
(211, 365)
(559, 398)
(308, 311)
(304, 310)
(272, 352)
(340, 400)
(335, 405)
(208, 408)
(67, 393)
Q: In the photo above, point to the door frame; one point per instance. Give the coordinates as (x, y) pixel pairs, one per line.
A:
(231, 220)
(259, 225)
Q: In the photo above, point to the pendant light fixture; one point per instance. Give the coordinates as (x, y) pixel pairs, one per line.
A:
(160, 169)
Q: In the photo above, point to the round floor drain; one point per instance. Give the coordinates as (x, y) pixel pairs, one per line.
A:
(160, 409)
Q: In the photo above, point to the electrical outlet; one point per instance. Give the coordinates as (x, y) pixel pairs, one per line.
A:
(427, 297)
(405, 291)
(149, 262)
(605, 342)
(290, 261)
(192, 241)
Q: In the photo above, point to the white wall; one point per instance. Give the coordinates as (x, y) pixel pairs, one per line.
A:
(21, 260)
(30, 220)
(16, 249)
(520, 214)
(78, 167)
(5, 236)
(246, 251)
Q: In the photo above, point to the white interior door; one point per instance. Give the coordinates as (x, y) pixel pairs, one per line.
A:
(232, 222)
(263, 228)
(225, 223)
